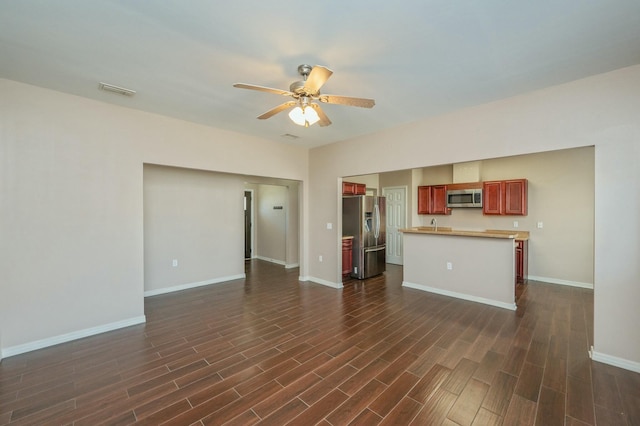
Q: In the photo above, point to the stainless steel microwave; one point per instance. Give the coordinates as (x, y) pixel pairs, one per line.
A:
(464, 198)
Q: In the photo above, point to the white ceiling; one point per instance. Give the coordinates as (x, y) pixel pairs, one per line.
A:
(415, 58)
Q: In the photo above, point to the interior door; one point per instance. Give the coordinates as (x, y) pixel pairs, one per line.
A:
(247, 224)
(396, 220)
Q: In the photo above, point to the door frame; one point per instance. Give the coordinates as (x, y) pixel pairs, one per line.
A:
(252, 231)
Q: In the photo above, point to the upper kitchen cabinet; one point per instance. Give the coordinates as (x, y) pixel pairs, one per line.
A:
(505, 197)
(492, 195)
(515, 197)
(433, 200)
(351, 188)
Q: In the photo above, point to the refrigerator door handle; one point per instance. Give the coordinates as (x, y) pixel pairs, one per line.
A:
(369, 250)
(377, 210)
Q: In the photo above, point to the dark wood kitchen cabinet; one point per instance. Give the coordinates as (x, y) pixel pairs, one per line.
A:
(515, 197)
(505, 197)
(521, 260)
(433, 200)
(347, 256)
(492, 198)
(351, 188)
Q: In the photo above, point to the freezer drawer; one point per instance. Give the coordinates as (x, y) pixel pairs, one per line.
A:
(373, 262)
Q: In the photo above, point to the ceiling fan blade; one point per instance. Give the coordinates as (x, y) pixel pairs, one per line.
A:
(324, 120)
(346, 100)
(263, 89)
(276, 110)
(317, 77)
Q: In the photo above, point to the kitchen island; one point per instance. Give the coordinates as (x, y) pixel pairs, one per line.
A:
(471, 265)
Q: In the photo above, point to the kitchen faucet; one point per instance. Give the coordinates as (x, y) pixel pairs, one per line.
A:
(434, 223)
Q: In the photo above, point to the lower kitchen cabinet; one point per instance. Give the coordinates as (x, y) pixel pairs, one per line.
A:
(347, 256)
(522, 264)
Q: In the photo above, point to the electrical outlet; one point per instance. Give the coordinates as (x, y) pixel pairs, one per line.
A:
(449, 266)
(320, 258)
(175, 263)
(540, 225)
(515, 223)
(329, 225)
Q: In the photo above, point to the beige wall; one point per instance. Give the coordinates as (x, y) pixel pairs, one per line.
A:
(617, 248)
(271, 224)
(596, 111)
(72, 206)
(293, 225)
(398, 178)
(371, 181)
(194, 217)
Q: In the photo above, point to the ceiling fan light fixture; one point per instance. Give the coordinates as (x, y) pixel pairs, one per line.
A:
(303, 116)
(303, 92)
(297, 116)
(311, 116)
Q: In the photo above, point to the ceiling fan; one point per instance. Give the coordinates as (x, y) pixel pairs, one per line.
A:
(305, 112)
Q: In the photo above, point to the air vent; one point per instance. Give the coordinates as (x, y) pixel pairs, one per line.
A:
(290, 136)
(116, 89)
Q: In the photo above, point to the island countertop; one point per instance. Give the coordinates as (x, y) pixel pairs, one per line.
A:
(489, 233)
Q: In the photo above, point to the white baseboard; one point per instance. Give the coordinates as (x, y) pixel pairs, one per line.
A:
(63, 338)
(193, 285)
(321, 281)
(561, 282)
(278, 262)
(615, 361)
(268, 259)
(510, 306)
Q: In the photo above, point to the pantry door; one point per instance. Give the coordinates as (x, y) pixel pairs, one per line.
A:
(396, 220)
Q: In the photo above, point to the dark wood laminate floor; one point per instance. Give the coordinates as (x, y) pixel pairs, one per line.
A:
(271, 350)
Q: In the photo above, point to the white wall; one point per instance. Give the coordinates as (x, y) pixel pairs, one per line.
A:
(581, 113)
(194, 217)
(71, 176)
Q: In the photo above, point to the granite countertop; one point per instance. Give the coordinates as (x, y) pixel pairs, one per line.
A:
(489, 233)
(347, 237)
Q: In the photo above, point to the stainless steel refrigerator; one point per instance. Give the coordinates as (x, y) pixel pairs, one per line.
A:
(363, 217)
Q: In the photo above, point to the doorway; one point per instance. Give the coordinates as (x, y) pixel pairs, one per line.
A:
(396, 220)
(248, 221)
